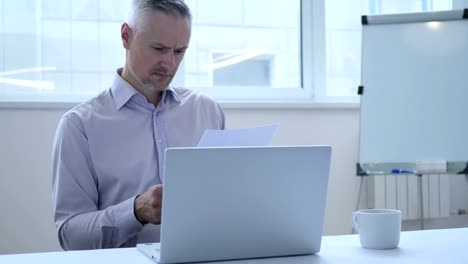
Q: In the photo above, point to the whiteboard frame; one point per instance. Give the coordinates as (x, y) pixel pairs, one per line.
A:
(454, 166)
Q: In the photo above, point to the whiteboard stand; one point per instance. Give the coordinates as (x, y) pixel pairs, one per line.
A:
(421, 206)
(379, 169)
(413, 79)
(358, 201)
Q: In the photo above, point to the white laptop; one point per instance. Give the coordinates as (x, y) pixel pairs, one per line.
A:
(241, 202)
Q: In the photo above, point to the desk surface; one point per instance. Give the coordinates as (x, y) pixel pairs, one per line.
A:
(429, 246)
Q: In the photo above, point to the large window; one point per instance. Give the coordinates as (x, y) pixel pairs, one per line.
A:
(68, 50)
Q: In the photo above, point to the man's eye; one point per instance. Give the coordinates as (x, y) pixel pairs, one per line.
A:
(158, 49)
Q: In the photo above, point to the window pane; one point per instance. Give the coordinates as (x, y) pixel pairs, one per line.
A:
(69, 49)
(251, 72)
(258, 39)
(343, 36)
(59, 50)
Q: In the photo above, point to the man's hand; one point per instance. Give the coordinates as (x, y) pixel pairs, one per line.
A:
(148, 205)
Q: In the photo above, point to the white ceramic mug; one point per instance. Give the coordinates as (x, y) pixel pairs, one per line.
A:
(378, 228)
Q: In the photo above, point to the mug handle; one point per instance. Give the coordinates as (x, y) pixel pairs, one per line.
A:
(355, 221)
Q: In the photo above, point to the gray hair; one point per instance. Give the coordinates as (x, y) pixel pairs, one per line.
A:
(176, 8)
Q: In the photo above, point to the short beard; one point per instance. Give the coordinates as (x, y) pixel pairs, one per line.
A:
(145, 83)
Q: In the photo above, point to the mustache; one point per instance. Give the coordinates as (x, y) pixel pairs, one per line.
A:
(161, 70)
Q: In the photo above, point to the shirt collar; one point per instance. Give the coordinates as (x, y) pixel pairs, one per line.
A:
(169, 95)
(122, 92)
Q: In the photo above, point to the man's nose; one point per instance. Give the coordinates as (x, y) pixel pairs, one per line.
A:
(169, 60)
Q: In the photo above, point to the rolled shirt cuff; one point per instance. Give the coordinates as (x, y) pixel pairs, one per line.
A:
(125, 219)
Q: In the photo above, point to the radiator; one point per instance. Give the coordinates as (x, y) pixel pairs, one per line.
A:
(401, 192)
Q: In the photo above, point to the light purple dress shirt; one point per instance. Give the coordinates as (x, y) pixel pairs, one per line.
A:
(110, 149)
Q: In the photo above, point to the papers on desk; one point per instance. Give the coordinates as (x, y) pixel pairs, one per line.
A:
(256, 136)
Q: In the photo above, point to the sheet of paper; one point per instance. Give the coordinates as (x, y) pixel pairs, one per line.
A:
(256, 136)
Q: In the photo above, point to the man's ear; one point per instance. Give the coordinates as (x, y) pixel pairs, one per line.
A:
(126, 35)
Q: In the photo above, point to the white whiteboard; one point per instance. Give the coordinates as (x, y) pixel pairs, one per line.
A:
(414, 104)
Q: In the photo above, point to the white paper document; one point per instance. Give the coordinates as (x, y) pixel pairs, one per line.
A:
(247, 137)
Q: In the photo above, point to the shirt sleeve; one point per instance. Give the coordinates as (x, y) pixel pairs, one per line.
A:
(80, 224)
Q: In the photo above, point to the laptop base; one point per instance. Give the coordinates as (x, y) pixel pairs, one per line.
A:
(151, 250)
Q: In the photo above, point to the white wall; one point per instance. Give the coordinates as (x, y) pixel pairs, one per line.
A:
(26, 138)
(26, 223)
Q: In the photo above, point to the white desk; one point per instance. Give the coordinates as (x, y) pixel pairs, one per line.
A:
(428, 246)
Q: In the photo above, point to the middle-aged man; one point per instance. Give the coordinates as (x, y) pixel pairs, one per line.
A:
(108, 153)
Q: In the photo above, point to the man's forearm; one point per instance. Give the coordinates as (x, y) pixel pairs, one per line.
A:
(108, 228)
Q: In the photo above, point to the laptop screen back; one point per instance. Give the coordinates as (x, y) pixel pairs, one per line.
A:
(243, 202)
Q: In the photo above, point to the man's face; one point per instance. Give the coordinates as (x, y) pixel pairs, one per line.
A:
(156, 48)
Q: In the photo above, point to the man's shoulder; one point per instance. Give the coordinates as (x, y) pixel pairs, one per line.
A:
(202, 105)
(94, 106)
(188, 95)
